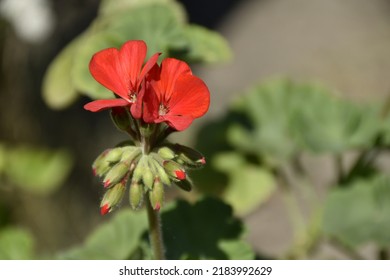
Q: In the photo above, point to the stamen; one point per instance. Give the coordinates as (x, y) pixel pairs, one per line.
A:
(163, 110)
(133, 97)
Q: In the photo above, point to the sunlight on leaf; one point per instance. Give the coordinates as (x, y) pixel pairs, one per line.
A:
(114, 240)
(359, 213)
(249, 185)
(37, 170)
(16, 244)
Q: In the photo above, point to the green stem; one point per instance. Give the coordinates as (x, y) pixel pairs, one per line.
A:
(155, 232)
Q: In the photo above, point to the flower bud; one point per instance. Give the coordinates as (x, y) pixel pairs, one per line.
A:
(121, 118)
(160, 171)
(189, 157)
(136, 195)
(114, 155)
(148, 176)
(139, 169)
(112, 198)
(130, 154)
(166, 153)
(116, 174)
(185, 185)
(156, 195)
(174, 170)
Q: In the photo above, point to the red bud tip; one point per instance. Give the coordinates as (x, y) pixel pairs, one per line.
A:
(104, 210)
(157, 206)
(94, 171)
(202, 160)
(180, 174)
(107, 183)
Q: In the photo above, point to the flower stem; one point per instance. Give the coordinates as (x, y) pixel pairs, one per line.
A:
(155, 232)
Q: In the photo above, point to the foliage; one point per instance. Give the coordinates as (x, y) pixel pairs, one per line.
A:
(36, 170)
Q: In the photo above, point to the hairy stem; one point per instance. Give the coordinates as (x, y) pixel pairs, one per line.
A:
(155, 232)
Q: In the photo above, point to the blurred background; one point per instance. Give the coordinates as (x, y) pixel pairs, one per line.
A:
(341, 44)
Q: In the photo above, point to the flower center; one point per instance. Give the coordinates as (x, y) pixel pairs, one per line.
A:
(133, 97)
(163, 110)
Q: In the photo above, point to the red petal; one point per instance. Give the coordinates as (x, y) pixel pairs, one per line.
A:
(131, 57)
(180, 174)
(178, 123)
(171, 69)
(104, 209)
(191, 97)
(99, 105)
(105, 67)
(150, 105)
(149, 65)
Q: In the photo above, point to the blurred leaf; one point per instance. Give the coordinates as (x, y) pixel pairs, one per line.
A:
(205, 45)
(58, 90)
(160, 23)
(205, 230)
(16, 244)
(249, 185)
(37, 170)
(360, 213)
(115, 240)
(112, 7)
(287, 118)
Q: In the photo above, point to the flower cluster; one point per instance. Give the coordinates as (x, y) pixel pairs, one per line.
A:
(167, 93)
(151, 101)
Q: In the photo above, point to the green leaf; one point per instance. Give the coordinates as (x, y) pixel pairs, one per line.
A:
(205, 230)
(58, 90)
(287, 118)
(249, 185)
(37, 170)
(115, 240)
(205, 45)
(16, 244)
(360, 213)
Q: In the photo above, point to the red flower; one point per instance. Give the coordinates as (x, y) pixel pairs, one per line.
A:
(121, 71)
(174, 95)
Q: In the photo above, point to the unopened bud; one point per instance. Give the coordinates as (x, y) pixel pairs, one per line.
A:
(136, 195)
(121, 118)
(112, 198)
(130, 154)
(104, 161)
(174, 170)
(189, 157)
(166, 153)
(160, 171)
(116, 174)
(156, 195)
(139, 169)
(148, 176)
(185, 185)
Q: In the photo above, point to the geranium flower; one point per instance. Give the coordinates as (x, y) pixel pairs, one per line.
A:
(121, 71)
(174, 95)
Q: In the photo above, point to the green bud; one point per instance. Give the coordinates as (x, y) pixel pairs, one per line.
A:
(139, 169)
(136, 195)
(174, 170)
(185, 185)
(160, 172)
(148, 176)
(130, 154)
(116, 174)
(166, 153)
(121, 118)
(188, 157)
(114, 155)
(112, 198)
(104, 161)
(156, 195)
